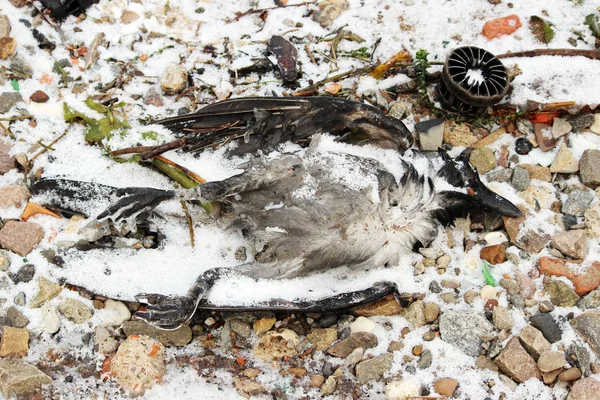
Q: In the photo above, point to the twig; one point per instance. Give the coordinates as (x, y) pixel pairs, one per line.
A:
(188, 218)
(7, 131)
(260, 10)
(47, 147)
(592, 54)
(19, 117)
(352, 72)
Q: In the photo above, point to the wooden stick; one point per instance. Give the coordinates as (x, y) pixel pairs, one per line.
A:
(188, 218)
(48, 147)
(591, 54)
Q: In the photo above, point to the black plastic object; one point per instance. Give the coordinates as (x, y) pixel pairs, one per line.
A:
(472, 80)
(60, 9)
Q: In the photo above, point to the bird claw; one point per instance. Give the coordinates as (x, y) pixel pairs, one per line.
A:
(166, 312)
(133, 202)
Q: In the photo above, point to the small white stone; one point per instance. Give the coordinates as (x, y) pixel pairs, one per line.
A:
(471, 262)
(487, 292)
(114, 313)
(362, 324)
(402, 389)
(494, 238)
(50, 319)
(560, 127)
(174, 78)
(596, 125)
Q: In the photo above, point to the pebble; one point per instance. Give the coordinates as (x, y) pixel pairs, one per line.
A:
(329, 385)
(578, 202)
(402, 389)
(241, 328)
(589, 168)
(565, 162)
(20, 65)
(431, 133)
(502, 318)
(495, 238)
(590, 301)
(585, 389)
(592, 220)
(343, 349)
(75, 311)
(328, 11)
(400, 109)
(8, 100)
(595, 127)
(354, 357)
(21, 237)
(415, 314)
(178, 337)
(14, 342)
(104, 343)
(114, 313)
(374, 368)
(21, 379)
(543, 137)
(547, 326)
(495, 254)
(445, 386)
(571, 243)
(248, 387)
(24, 274)
(322, 338)
(551, 360)
(174, 78)
(560, 127)
(449, 298)
(516, 363)
(464, 330)
(569, 375)
(263, 325)
(538, 172)
(50, 319)
(432, 311)
(362, 324)
(47, 291)
(7, 162)
(520, 179)
(138, 364)
(153, 98)
(4, 25)
(15, 318)
(8, 45)
(561, 294)
(483, 160)
(275, 345)
(459, 134)
(587, 325)
(488, 292)
(13, 195)
(425, 359)
(39, 97)
(581, 121)
(316, 381)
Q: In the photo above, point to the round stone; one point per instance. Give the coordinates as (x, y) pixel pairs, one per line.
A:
(487, 292)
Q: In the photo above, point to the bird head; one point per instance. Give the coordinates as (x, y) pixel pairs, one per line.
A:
(471, 195)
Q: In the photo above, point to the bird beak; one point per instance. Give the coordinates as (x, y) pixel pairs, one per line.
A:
(495, 204)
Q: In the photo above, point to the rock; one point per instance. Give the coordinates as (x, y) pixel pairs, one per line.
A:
(39, 97)
(95, 230)
(362, 324)
(464, 330)
(516, 363)
(374, 368)
(21, 237)
(342, 349)
(501, 175)
(590, 301)
(401, 109)
(18, 378)
(569, 375)
(595, 127)
(571, 243)
(75, 311)
(560, 127)
(502, 319)
(138, 364)
(425, 360)
(15, 318)
(551, 360)
(115, 313)
(585, 389)
(483, 160)
(263, 325)
(316, 381)
(520, 179)
(579, 356)
(432, 311)
(275, 345)
(550, 377)
(153, 98)
(491, 138)
(501, 26)
(445, 386)
(577, 203)
(47, 291)
(329, 386)
(128, 17)
(322, 338)
(589, 168)
(543, 137)
(581, 121)
(449, 297)
(248, 387)
(495, 254)
(20, 65)
(50, 319)
(526, 285)
(178, 337)
(402, 390)
(431, 133)
(546, 324)
(495, 238)
(24, 274)
(354, 357)
(537, 172)
(415, 314)
(7, 162)
(386, 306)
(587, 325)
(584, 282)
(488, 292)
(241, 328)
(592, 220)
(459, 134)
(533, 341)
(15, 342)
(328, 11)
(4, 25)
(104, 343)
(174, 78)
(565, 162)
(13, 196)
(561, 293)
(8, 100)
(8, 45)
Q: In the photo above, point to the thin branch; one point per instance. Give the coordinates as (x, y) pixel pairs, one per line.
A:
(591, 54)
(48, 147)
(188, 218)
(260, 10)
(7, 131)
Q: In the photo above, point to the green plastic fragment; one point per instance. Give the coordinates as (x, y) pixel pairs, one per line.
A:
(487, 274)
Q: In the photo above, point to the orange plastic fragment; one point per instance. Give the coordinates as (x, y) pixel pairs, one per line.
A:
(46, 79)
(143, 57)
(240, 361)
(501, 26)
(543, 117)
(33, 209)
(400, 57)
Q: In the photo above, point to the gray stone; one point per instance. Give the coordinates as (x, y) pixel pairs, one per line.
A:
(425, 359)
(75, 311)
(7, 162)
(571, 243)
(590, 300)
(20, 299)
(464, 330)
(21, 237)
(581, 121)
(374, 368)
(546, 324)
(502, 318)
(520, 179)
(4, 261)
(560, 127)
(8, 101)
(589, 168)
(366, 340)
(401, 109)
(178, 337)
(516, 363)
(415, 314)
(16, 318)
(431, 133)
(561, 294)
(24, 274)
(580, 357)
(585, 389)
(95, 230)
(592, 220)
(328, 11)
(534, 341)
(502, 175)
(587, 325)
(20, 65)
(578, 202)
(18, 378)
(104, 343)
(241, 328)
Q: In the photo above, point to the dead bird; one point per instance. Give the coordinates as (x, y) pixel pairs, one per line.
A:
(262, 123)
(313, 210)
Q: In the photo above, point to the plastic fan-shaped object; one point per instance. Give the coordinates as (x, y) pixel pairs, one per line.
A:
(472, 80)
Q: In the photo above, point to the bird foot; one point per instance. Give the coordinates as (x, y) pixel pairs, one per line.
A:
(166, 312)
